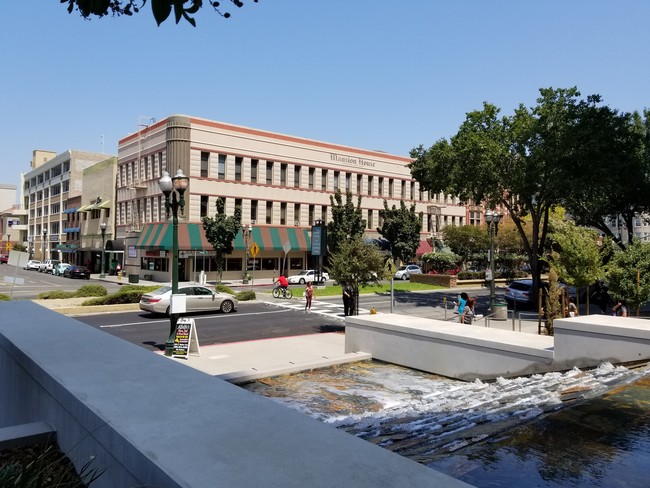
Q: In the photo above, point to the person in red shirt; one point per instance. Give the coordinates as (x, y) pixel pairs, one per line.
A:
(284, 284)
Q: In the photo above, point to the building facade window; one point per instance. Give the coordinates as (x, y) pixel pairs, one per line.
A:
(253, 215)
(359, 184)
(205, 163)
(269, 172)
(255, 163)
(323, 181)
(296, 214)
(239, 161)
(221, 167)
(348, 182)
(283, 174)
(312, 172)
(204, 206)
(296, 176)
(336, 180)
(269, 212)
(371, 182)
(283, 213)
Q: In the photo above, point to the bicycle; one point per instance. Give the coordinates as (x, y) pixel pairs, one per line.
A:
(278, 292)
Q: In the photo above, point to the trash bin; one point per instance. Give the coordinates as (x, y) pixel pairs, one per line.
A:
(500, 311)
(134, 278)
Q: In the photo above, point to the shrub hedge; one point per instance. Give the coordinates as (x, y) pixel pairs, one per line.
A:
(245, 295)
(4, 298)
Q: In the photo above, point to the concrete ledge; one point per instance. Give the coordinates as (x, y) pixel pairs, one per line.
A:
(470, 352)
(153, 422)
(26, 435)
(465, 352)
(588, 340)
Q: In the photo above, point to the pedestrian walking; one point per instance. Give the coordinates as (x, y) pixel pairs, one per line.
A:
(309, 295)
(467, 317)
(347, 298)
(620, 309)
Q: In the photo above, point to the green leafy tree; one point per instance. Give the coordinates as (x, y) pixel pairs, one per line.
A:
(577, 255)
(614, 184)
(524, 163)
(441, 261)
(347, 222)
(356, 263)
(628, 274)
(161, 9)
(469, 242)
(401, 228)
(553, 301)
(220, 231)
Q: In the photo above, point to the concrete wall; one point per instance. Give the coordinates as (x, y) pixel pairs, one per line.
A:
(470, 352)
(153, 422)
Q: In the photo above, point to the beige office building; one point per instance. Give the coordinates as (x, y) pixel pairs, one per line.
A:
(282, 183)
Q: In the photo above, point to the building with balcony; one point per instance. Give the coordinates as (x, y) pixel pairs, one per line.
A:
(282, 183)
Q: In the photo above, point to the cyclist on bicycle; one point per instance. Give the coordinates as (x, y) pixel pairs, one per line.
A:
(283, 284)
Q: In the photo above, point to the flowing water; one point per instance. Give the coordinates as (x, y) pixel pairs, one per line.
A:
(575, 429)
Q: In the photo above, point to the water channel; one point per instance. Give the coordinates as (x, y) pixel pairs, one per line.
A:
(571, 429)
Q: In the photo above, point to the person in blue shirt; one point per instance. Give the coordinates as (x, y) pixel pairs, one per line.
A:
(462, 301)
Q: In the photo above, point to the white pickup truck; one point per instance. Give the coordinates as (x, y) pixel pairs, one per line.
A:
(48, 265)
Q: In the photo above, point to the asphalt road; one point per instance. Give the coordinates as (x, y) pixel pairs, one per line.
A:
(26, 285)
(253, 321)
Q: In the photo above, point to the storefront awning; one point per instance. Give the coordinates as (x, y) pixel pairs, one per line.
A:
(159, 237)
(423, 248)
(273, 239)
(114, 245)
(191, 237)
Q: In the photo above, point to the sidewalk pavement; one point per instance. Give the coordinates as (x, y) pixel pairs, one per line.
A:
(242, 362)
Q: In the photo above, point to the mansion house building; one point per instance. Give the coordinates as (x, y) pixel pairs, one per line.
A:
(282, 183)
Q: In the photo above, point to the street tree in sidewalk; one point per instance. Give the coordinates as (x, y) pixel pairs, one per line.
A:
(401, 228)
(347, 222)
(576, 255)
(525, 163)
(628, 274)
(356, 263)
(220, 231)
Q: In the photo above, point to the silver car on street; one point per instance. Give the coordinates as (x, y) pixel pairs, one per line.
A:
(197, 299)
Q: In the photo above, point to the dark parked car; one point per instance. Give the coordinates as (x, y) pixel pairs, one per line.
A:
(75, 271)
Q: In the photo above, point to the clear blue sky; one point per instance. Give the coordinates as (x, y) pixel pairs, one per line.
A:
(378, 74)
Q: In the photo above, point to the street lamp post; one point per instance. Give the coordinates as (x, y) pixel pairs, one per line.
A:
(102, 227)
(247, 229)
(492, 218)
(174, 191)
(44, 241)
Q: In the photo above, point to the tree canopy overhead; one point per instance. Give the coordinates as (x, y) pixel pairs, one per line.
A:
(161, 9)
(526, 163)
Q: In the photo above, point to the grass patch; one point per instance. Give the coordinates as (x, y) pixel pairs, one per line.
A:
(4, 298)
(379, 288)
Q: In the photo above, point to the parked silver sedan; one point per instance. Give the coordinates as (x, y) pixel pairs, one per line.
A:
(197, 299)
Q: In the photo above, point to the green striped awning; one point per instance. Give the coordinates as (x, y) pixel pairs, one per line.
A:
(159, 237)
(191, 237)
(273, 239)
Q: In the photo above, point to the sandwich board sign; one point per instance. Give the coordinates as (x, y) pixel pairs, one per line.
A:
(186, 340)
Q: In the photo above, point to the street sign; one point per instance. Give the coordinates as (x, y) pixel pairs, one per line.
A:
(255, 249)
(390, 266)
